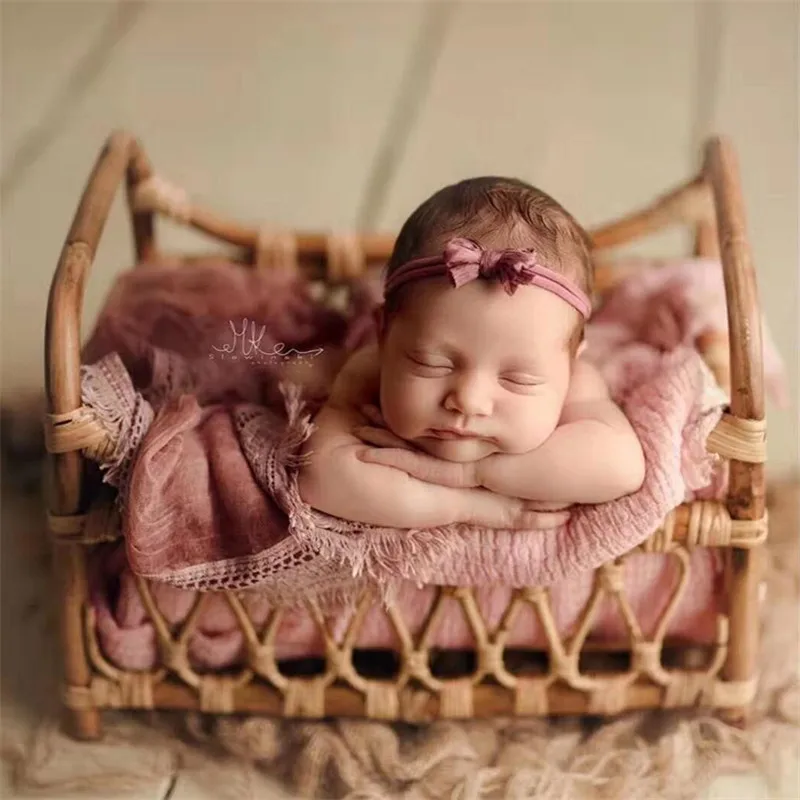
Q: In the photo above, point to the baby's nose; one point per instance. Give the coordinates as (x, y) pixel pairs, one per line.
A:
(470, 397)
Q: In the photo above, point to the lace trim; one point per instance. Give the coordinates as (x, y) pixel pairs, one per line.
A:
(107, 388)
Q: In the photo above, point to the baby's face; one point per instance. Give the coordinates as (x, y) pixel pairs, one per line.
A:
(472, 371)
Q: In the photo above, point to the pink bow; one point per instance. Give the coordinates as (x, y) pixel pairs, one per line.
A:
(466, 260)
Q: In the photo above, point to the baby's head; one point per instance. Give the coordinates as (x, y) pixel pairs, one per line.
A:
(489, 358)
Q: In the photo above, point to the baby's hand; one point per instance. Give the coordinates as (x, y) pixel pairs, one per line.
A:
(373, 414)
(538, 520)
(492, 510)
(377, 433)
(419, 465)
(535, 505)
(392, 451)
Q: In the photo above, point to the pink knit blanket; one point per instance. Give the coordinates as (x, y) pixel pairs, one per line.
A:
(209, 375)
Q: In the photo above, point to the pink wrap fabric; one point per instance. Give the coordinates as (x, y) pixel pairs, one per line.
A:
(210, 498)
(661, 306)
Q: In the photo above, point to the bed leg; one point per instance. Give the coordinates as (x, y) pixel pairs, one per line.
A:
(741, 665)
(85, 724)
(83, 720)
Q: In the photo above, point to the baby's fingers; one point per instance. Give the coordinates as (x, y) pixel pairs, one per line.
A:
(380, 437)
(543, 520)
(532, 505)
(373, 414)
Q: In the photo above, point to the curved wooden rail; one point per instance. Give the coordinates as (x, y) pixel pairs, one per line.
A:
(746, 483)
(688, 204)
(744, 315)
(121, 156)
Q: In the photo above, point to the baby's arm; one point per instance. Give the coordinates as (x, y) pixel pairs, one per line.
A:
(335, 481)
(593, 456)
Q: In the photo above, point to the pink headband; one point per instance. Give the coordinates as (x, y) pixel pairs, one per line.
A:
(465, 260)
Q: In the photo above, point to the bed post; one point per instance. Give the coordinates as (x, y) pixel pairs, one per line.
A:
(746, 485)
(67, 495)
(142, 220)
(706, 236)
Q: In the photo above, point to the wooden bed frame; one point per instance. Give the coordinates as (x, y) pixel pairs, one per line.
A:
(80, 517)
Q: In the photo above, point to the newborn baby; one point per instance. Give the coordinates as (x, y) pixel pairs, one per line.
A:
(474, 405)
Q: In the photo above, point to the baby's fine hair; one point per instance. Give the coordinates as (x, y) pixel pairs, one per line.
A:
(498, 213)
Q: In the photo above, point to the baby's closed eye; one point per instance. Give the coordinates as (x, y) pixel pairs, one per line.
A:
(430, 364)
(521, 382)
(522, 378)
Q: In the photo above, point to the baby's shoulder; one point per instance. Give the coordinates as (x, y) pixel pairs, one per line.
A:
(586, 382)
(359, 378)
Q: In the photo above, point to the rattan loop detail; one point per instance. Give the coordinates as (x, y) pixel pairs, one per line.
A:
(725, 694)
(78, 430)
(276, 249)
(217, 693)
(611, 696)
(157, 194)
(79, 697)
(530, 697)
(345, 257)
(455, 699)
(705, 523)
(749, 532)
(83, 528)
(133, 690)
(685, 689)
(136, 690)
(305, 698)
(67, 526)
(382, 700)
(739, 439)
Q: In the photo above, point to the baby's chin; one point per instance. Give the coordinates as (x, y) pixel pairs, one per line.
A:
(464, 450)
(456, 449)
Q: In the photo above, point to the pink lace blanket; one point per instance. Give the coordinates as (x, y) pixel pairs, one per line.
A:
(208, 377)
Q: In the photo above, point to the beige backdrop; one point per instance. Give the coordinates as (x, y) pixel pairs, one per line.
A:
(332, 114)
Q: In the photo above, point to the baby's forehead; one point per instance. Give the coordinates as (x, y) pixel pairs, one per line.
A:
(437, 298)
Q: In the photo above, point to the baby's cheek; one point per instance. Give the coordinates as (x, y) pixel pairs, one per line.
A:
(399, 408)
(531, 426)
